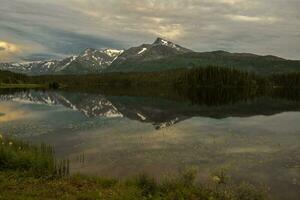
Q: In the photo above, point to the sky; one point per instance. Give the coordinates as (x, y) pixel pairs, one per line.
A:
(51, 29)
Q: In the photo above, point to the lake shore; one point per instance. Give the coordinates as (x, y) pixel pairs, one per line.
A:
(22, 86)
(32, 172)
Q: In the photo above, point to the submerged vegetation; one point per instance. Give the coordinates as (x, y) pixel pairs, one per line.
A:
(30, 172)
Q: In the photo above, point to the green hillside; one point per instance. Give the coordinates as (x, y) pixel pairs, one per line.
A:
(247, 62)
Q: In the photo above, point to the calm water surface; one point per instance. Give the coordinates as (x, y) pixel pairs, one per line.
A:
(256, 140)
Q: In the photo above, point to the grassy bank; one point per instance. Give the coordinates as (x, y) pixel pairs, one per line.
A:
(22, 86)
(31, 172)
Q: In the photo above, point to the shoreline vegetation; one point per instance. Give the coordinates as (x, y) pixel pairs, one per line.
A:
(22, 86)
(32, 172)
(179, 80)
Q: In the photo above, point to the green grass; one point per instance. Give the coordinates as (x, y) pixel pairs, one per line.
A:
(30, 172)
(21, 86)
(37, 161)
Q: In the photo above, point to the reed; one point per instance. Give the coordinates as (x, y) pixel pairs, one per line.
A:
(38, 160)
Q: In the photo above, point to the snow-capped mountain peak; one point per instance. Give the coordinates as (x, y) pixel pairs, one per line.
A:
(134, 56)
(94, 52)
(91, 61)
(160, 41)
(163, 42)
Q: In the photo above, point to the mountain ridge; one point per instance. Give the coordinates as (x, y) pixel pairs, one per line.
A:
(88, 61)
(158, 56)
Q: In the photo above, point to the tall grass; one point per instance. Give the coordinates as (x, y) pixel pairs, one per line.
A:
(44, 177)
(36, 160)
(184, 187)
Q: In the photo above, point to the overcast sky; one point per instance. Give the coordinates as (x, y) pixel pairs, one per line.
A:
(45, 29)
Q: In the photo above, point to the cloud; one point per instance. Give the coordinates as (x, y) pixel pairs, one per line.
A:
(9, 47)
(8, 50)
(172, 31)
(66, 27)
(244, 18)
(40, 56)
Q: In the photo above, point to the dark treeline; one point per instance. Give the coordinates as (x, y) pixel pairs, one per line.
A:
(13, 78)
(291, 94)
(289, 80)
(219, 77)
(180, 79)
(111, 80)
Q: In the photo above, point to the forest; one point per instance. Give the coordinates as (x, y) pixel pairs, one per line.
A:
(10, 77)
(179, 79)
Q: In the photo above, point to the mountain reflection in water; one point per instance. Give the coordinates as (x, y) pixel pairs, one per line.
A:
(253, 137)
(158, 111)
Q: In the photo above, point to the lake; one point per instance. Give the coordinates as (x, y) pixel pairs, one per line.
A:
(253, 139)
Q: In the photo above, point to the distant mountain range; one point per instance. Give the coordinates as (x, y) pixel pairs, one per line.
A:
(89, 61)
(158, 56)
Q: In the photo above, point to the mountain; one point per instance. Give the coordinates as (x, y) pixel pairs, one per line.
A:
(160, 49)
(264, 65)
(98, 61)
(165, 55)
(89, 61)
(158, 56)
(36, 67)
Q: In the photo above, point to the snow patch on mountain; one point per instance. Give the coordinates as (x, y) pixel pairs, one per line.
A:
(113, 52)
(166, 124)
(164, 42)
(71, 60)
(142, 51)
(143, 118)
(48, 64)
